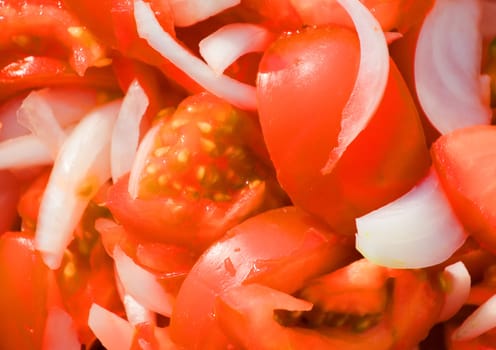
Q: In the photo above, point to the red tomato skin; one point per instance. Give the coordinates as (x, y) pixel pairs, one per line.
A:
(304, 82)
(281, 248)
(23, 296)
(9, 195)
(464, 161)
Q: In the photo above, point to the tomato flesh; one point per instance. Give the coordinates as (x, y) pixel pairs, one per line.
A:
(305, 80)
(464, 161)
(265, 249)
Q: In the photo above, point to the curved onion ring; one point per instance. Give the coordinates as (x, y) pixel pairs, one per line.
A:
(37, 115)
(60, 331)
(24, 151)
(144, 149)
(371, 80)
(447, 66)
(417, 230)
(113, 332)
(233, 91)
(458, 283)
(81, 167)
(125, 135)
(189, 12)
(141, 284)
(223, 47)
(479, 322)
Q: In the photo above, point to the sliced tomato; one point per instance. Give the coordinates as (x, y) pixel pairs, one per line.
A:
(30, 72)
(304, 83)
(207, 171)
(9, 195)
(464, 161)
(26, 25)
(393, 15)
(258, 317)
(24, 292)
(280, 248)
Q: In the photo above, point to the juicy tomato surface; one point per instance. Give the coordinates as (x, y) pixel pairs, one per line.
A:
(228, 213)
(463, 161)
(305, 79)
(207, 171)
(265, 249)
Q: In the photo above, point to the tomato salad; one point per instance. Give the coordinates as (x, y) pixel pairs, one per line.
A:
(246, 174)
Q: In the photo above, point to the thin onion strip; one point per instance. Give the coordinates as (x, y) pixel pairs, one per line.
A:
(371, 80)
(233, 91)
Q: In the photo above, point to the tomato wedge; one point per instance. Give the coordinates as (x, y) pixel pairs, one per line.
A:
(465, 162)
(280, 248)
(23, 296)
(304, 82)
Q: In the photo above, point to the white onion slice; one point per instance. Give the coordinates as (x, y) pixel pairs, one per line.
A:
(223, 47)
(141, 284)
(60, 331)
(189, 12)
(136, 313)
(233, 91)
(480, 321)
(37, 115)
(417, 230)
(113, 332)
(125, 136)
(69, 104)
(81, 167)
(24, 151)
(371, 80)
(458, 281)
(139, 163)
(447, 66)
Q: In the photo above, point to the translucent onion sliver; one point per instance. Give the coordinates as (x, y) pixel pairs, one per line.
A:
(480, 321)
(417, 230)
(37, 115)
(125, 135)
(113, 332)
(189, 12)
(371, 80)
(24, 151)
(60, 331)
(223, 47)
(141, 284)
(139, 163)
(447, 66)
(81, 167)
(233, 91)
(458, 282)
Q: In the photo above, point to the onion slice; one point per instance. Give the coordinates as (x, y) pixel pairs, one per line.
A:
(233, 91)
(81, 167)
(371, 80)
(223, 47)
(189, 12)
(37, 115)
(479, 322)
(60, 331)
(24, 151)
(113, 332)
(141, 284)
(417, 230)
(458, 283)
(145, 148)
(125, 135)
(448, 64)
